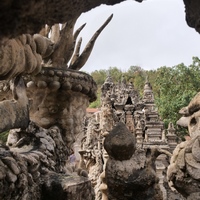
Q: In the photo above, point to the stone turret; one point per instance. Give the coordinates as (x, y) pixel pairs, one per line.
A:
(153, 125)
(139, 134)
(171, 137)
(148, 96)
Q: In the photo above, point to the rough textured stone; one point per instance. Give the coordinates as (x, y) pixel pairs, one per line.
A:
(18, 17)
(132, 179)
(192, 10)
(120, 143)
(63, 187)
(16, 109)
(25, 54)
(43, 149)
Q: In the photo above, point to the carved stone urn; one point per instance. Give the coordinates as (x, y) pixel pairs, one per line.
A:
(60, 97)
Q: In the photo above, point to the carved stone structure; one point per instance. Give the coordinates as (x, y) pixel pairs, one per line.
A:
(31, 168)
(121, 104)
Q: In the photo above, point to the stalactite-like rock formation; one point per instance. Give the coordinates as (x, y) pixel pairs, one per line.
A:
(18, 17)
(27, 54)
(23, 54)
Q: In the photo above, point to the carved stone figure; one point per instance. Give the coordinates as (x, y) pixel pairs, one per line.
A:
(183, 172)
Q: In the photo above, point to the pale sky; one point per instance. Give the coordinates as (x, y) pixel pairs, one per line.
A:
(149, 34)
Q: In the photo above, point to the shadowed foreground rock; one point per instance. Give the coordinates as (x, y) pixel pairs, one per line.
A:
(131, 174)
(53, 184)
(16, 110)
(18, 17)
(120, 144)
(33, 167)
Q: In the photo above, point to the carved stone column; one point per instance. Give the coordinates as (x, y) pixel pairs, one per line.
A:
(139, 135)
(171, 137)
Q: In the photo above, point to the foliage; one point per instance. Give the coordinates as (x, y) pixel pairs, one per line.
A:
(137, 76)
(97, 103)
(177, 86)
(99, 76)
(4, 136)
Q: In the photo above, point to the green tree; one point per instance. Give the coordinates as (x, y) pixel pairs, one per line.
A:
(97, 103)
(115, 73)
(99, 76)
(176, 86)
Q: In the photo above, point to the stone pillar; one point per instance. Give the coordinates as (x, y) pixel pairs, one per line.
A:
(129, 118)
(159, 171)
(139, 135)
(103, 187)
(171, 137)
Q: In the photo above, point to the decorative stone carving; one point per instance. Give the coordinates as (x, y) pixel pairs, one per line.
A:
(38, 155)
(171, 137)
(54, 103)
(57, 98)
(24, 55)
(33, 164)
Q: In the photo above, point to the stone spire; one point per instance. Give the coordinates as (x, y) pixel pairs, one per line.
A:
(123, 82)
(148, 96)
(153, 125)
(107, 88)
(171, 136)
(139, 134)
